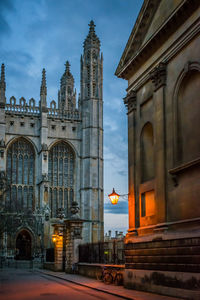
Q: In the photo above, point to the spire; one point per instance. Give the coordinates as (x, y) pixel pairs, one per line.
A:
(2, 87)
(43, 88)
(67, 68)
(43, 92)
(92, 27)
(92, 39)
(66, 97)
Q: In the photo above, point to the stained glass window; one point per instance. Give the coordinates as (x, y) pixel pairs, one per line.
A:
(20, 173)
(61, 178)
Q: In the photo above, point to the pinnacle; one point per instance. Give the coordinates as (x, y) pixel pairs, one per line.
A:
(2, 80)
(67, 65)
(92, 38)
(2, 73)
(92, 27)
(43, 88)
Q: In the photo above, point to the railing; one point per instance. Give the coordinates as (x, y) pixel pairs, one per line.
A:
(111, 252)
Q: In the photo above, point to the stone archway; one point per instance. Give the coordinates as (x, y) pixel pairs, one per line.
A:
(23, 245)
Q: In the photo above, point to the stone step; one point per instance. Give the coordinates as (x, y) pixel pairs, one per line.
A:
(193, 268)
(164, 244)
(192, 250)
(181, 259)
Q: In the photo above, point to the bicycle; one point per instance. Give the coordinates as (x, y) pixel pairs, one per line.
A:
(109, 275)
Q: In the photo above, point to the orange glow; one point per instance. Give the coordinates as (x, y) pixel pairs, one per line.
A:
(54, 238)
(114, 197)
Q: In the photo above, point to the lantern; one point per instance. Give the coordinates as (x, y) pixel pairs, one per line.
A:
(54, 238)
(114, 197)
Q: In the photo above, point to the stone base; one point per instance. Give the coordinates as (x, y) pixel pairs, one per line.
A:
(175, 284)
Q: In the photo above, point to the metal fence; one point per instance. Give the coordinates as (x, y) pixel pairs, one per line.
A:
(109, 252)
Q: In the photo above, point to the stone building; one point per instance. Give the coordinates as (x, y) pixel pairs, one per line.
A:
(161, 63)
(51, 159)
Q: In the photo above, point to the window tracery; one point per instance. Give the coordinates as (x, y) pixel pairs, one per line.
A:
(20, 171)
(61, 178)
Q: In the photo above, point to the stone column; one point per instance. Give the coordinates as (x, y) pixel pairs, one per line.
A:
(158, 77)
(73, 240)
(130, 102)
(68, 237)
(73, 237)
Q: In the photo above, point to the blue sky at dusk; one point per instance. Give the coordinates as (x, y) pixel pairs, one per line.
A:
(45, 33)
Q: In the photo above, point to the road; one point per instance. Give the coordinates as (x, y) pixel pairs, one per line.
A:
(18, 284)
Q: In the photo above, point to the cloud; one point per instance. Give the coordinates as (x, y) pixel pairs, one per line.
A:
(120, 208)
(115, 222)
(43, 33)
(5, 7)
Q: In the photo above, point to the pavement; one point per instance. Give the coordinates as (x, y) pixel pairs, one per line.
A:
(111, 289)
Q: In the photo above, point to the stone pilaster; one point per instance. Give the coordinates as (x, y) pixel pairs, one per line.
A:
(73, 240)
(158, 77)
(130, 102)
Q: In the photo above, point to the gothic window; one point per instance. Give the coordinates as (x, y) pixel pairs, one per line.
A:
(88, 89)
(61, 178)
(88, 72)
(88, 54)
(94, 56)
(94, 72)
(94, 89)
(20, 171)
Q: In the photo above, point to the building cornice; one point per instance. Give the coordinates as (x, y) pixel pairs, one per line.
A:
(183, 11)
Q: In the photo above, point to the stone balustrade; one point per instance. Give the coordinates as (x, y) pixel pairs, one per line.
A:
(24, 108)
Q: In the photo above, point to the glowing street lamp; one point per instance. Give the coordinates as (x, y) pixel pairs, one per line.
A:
(114, 197)
(54, 238)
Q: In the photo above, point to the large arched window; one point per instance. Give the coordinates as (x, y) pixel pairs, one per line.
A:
(188, 108)
(20, 172)
(147, 153)
(61, 178)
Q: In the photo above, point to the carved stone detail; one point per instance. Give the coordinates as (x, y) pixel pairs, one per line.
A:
(75, 210)
(158, 76)
(60, 213)
(130, 101)
(44, 147)
(3, 182)
(45, 177)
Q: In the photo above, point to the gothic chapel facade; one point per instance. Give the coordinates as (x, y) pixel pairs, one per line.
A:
(51, 157)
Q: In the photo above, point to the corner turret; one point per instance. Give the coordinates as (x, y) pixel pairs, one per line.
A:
(91, 66)
(67, 94)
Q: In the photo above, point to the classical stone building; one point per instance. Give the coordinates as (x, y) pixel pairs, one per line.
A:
(161, 63)
(51, 159)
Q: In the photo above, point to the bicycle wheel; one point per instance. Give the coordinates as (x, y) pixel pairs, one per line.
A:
(99, 276)
(119, 279)
(107, 279)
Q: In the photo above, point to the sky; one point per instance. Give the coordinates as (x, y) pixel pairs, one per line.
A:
(36, 34)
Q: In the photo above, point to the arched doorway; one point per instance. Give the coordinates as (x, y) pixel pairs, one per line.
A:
(23, 245)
